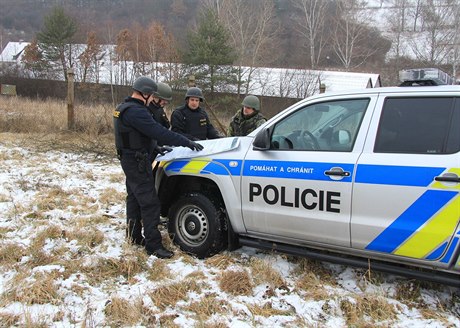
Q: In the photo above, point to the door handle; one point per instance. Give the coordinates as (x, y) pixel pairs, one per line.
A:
(455, 179)
(337, 173)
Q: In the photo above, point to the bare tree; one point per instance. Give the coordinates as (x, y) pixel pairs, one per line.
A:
(350, 38)
(90, 57)
(155, 45)
(299, 83)
(455, 44)
(310, 24)
(173, 70)
(122, 54)
(253, 33)
(416, 13)
(433, 44)
(396, 21)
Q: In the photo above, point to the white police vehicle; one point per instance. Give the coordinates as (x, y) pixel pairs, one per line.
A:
(369, 178)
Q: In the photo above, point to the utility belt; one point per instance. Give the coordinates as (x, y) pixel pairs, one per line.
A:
(138, 154)
(142, 157)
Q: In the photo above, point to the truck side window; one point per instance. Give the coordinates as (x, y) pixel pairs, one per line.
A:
(327, 126)
(418, 126)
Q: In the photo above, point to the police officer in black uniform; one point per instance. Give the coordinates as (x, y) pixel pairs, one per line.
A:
(191, 120)
(136, 137)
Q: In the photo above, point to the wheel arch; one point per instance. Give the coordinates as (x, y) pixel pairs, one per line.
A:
(173, 186)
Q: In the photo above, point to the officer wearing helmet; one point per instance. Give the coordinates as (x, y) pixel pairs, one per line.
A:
(191, 120)
(246, 119)
(159, 101)
(137, 136)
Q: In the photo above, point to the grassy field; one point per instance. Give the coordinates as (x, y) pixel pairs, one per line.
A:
(64, 261)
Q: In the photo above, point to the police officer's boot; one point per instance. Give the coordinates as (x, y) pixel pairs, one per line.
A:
(134, 232)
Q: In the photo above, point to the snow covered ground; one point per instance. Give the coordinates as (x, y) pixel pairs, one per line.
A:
(64, 263)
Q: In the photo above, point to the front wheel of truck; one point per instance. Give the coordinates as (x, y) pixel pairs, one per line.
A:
(196, 225)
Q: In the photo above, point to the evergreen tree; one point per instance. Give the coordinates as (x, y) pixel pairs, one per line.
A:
(55, 38)
(210, 53)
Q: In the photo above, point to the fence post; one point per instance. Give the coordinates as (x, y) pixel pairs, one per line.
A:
(70, 99)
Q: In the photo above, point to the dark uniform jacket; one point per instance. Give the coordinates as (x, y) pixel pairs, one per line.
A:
(194, 124)
(137, 131)
(243, 125)
(159, 115)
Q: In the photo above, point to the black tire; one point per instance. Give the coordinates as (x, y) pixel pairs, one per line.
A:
(196, 225)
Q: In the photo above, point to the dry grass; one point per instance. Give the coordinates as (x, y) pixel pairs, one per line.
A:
(315, 267)
(10, 254)
(9, 320)
(263, 272)
(408, 292)
(111, 196)
(207, 306)
(38, 288)
(56, 197)
(50, 116)
(120, 312)
(312, 277)
(368, 310)
(221, 261)
(267, 310)
(48, 129)
(168, 295)
(236, 282)
(87, 237)
(159, 271)
(313, 286)
(127, 267)
(167, 321)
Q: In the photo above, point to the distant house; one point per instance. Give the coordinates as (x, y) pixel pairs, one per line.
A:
(279, 82)
(12, 53)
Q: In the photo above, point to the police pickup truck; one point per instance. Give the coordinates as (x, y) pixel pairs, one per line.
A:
(369, 178)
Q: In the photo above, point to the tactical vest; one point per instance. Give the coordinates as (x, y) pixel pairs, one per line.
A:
(195, 122)
(243, 126)
(126, 137)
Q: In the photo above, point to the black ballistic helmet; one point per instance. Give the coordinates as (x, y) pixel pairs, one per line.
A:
(145, 85)
(194, 92)
(164, 91)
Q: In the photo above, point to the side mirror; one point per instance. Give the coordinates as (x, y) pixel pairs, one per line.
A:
(343, 137)
(262, 140)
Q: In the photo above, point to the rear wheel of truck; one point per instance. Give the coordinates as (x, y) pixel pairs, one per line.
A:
(196, 225)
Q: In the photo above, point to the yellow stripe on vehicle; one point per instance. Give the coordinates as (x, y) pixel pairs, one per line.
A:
(439, 185)
(194, 166)
(431, 235)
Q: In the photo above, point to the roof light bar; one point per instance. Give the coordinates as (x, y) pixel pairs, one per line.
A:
(425, 74)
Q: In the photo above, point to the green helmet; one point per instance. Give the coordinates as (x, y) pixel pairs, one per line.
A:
(164, 91)
(145, 85)
(251, 101)
(194, 92)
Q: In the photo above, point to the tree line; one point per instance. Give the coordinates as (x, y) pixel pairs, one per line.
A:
(232, 38)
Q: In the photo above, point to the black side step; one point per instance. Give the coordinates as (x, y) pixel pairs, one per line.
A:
(433, 276)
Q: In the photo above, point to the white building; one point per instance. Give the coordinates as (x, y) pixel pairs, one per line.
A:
(278, 82)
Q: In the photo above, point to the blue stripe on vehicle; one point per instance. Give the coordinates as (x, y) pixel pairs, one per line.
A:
(450, 251)
(436, 254)
(214, 168)
(218, 167)
(233, 166)
(176, 166)
(397, 175)
(410, 220)
(294, 170)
